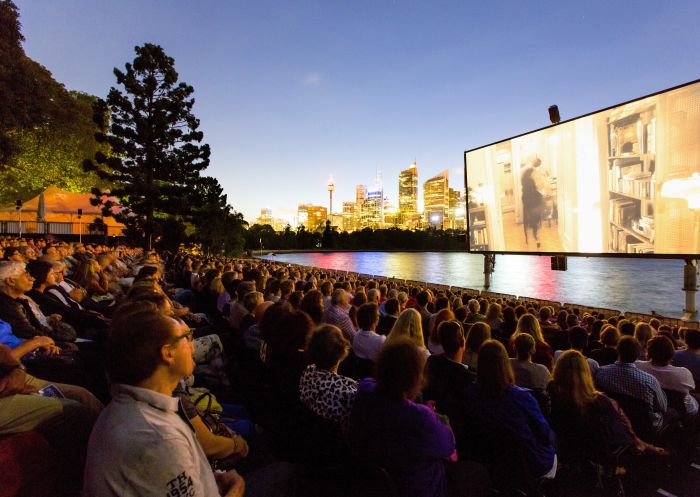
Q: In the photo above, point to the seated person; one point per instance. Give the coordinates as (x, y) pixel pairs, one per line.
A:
(660, 351)
(22, 313)
(476, 336)
(623, 377)
(141, 428)
(321, 389)
(88, 324)
(587, 422)
(690, 357)
(495, 401)
(446, 376)
(527, 373)
(609, 337)
(529, 325)
(65, 423)
(387, 427)
(367, 344)
(578, 339)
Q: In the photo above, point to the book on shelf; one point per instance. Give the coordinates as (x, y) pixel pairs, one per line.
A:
(623, 211)
(479, 236)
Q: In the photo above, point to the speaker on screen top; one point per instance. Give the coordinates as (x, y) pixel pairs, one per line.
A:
(554, 114)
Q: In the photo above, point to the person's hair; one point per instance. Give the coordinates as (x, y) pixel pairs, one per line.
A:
(295, 299)
(628, 349)
(373, 295)
(643, 332)
(509, 315)
(84, 272)
(423, 298)
(146, 272)
(286, 286)
(451, 336)
(270, 319)
(626, 327)
(493, 312)
(289, 337)
(326, 288)
(473, 306)
(139, 331)
(692, 338)
(609, 337)
(441, 303)
(399, 369)
(359, 299)
(545, 313)
(39, 270)
(339, 296)
(9, 252)
(572, 379)
(391, 306)
(408, 325)
(312, 304)
(494, 374)
(529, 324)
(327, 346)
(440, 316)
(477, 335)
(524, 346)
(402, 298)
(578, 338)
(367, 314)
(10, 269)
(251, 300)
(660, 350)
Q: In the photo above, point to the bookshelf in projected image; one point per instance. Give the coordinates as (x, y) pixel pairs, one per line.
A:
(478, 229)
(631, 164)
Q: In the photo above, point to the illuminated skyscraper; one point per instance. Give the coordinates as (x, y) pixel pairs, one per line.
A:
(457, 210)
(265, 217)
(360, 197)
(436, 200)
(349, 216)
(372, 215)
(312, 217)
(408, 191)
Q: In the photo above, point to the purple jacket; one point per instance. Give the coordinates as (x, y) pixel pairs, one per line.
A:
(405, 438)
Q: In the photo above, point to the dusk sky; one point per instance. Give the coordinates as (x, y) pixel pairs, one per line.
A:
(290, 93)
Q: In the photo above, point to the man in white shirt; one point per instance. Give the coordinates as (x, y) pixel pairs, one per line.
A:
(142, 443)
(367, 344)
(660, 351)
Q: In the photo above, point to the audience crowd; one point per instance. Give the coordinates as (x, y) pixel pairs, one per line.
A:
(183, 375)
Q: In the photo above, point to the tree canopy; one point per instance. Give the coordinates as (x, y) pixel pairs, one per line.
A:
(156, 154)
(45, 130)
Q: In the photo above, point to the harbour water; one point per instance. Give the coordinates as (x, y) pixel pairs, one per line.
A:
(639, 285)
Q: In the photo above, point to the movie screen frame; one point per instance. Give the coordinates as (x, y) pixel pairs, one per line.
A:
(623, 181)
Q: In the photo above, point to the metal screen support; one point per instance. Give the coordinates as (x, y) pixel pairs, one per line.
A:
(489, 265)
(690, 287)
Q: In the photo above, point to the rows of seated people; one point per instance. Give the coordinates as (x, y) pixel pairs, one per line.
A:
(294, 380)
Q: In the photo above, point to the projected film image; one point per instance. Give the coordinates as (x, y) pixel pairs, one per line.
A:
(625, 180)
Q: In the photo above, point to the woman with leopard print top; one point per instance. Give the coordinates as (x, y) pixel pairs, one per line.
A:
(321, 389)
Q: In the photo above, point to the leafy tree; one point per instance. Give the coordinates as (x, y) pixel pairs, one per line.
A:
(218, 227)
(45, 131)
(156, 151)
(52, 154)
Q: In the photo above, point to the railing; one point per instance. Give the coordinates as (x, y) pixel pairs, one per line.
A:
(52, 228)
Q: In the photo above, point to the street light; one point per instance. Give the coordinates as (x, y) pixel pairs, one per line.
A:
(18, 206)
(80, 225)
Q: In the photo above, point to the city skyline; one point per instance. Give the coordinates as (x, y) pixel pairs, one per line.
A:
(440, 206)
(289, 94)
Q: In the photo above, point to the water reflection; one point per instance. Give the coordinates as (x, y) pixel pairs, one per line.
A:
(626, 284)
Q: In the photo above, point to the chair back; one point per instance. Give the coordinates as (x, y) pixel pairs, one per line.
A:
(638, 412)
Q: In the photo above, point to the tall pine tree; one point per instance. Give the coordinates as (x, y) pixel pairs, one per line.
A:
(156, 151)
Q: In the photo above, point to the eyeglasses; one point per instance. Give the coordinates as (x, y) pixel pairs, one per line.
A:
(189, 336)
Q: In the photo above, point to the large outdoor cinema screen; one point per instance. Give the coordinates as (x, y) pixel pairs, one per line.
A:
(624, 180)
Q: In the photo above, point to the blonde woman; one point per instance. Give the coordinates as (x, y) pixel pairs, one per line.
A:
(584, 419)
(529, 325)
(408, 325)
